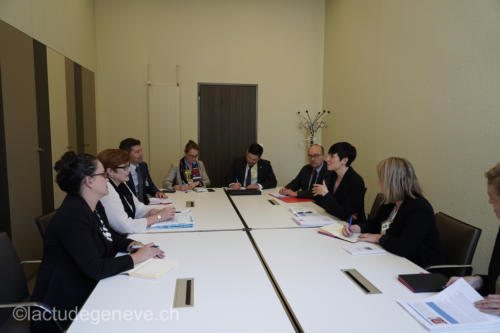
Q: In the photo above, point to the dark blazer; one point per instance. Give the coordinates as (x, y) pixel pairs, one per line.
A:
(412, 234)
(149, 186)
(489, 281)
(265, 174)
(300, 184)
(76, 255)
(349, 198)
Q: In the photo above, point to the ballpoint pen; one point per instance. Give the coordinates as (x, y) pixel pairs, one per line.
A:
(350, 224)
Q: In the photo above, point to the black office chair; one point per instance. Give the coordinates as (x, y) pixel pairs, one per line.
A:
(42, 222)
(458, 242)
(379, 199)
(14, 291)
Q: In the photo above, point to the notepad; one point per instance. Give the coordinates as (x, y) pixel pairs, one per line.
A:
(313, 220)
(151, 268)
(160, 201)
(335, 230)
(363, 249)
(183, 219)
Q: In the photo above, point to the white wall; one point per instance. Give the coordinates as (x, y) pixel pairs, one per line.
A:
(67, 26)
(277, 44)
(420, 79)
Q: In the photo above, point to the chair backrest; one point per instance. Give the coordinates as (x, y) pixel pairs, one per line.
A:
(13, 286)
(379, 199)
(42, 222)
(458, 239)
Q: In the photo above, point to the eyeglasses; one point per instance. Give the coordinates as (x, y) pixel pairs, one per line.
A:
(313, 156)
(124, 167)
(192, 156)
(103, 174)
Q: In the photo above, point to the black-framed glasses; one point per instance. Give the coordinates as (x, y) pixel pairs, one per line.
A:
(104, 174)
(124, 167)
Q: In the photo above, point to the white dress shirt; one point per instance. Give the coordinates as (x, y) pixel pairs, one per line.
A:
(118, 218)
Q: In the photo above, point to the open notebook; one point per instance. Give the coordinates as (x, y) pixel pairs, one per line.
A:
(335, 230)
(151, 268)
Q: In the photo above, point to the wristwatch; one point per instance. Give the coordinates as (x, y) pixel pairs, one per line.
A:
(158, 217)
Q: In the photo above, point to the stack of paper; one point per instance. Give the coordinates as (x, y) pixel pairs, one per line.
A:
(363, 249)
(451, 309)
(182, 219)
(160, 201)
(302, 211)
(335, 230)
(151, 268)
(313, 220)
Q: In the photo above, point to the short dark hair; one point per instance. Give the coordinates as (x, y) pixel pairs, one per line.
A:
(128, 143)
(255, 149)
(191, 145)
(72, 169)
(343, 149)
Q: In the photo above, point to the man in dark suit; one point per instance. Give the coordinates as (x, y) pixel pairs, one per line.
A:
(313, 173)
(251, 171)
(140, 181)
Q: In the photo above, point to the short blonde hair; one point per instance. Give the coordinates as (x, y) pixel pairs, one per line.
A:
(493, 176)
(398, 179)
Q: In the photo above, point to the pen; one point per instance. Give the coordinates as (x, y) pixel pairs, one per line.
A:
(134, 247)
(350, 223)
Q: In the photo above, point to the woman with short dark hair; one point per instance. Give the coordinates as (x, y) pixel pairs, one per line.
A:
(80, 247)
(342, 193)
(189, 172)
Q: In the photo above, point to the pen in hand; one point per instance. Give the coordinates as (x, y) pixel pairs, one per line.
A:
(350, 224)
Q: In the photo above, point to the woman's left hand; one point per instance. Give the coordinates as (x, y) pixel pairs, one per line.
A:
(161, 195)
(193, 185)
(320, 189)
(371, 238)
(490, 304)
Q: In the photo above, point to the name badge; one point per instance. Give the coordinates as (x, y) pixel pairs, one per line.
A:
(385, 226)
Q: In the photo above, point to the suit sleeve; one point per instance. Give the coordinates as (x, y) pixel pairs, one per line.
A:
(151, 189)
(416, 226)
(270, 180)
(233, 174)
(76, 237)
(353, 200)
(169, 180)
(295, 184)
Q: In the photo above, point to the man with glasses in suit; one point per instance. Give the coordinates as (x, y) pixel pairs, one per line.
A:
(310, 174)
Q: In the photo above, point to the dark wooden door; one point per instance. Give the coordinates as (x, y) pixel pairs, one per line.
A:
(227, 126)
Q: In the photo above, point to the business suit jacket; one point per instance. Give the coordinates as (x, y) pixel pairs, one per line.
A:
(300, 184)
(349, 198)
(489, 281)
(174, 175)
(76, 256)
(265, 174)
(149, 186)
(412, 234)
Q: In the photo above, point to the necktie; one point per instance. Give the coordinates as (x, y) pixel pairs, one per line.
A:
(140, 185)
(313, 179)
(248, 179)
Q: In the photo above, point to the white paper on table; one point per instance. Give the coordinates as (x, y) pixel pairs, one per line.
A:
(313, 220)
(451, 309)
(302, 211)
(335, 230)
(363, 249)
(160, 201)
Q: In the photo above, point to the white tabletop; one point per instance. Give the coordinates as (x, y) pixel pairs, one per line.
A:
(307, 267)
(232, 292)
(211, 211)
(259, 213)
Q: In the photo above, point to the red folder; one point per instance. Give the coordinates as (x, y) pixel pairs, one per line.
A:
(292, 199)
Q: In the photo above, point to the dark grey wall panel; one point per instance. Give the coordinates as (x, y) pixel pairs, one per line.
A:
(70, 102)
(43, 118)
(4, 183)
(80, 141)
(89, 116)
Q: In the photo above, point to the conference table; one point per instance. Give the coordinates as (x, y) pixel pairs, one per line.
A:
(254, 270)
